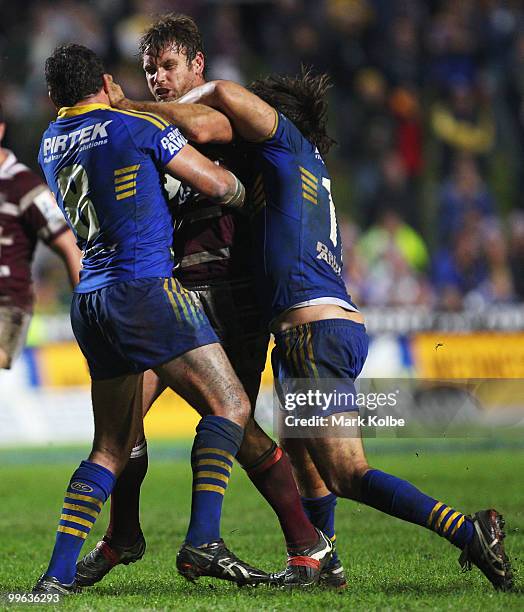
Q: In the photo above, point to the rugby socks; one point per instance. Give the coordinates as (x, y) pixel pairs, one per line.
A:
(124, 525)
(88, 489)
(216, 444)
(401, 499)
(273, 477)
(321, 512)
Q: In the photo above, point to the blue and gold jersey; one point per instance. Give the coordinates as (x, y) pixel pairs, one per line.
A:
(105, 168)
(298, 250)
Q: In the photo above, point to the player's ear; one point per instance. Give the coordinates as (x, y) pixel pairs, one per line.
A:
(2, 131)
(199, 63)
(51, 98)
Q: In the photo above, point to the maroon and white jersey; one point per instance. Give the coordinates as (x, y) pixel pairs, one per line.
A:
(28, 212)
(212, 243)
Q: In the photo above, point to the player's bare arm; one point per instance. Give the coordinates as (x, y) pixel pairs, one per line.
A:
(198, 122)
(252, 118)
(65, 247)
(206, 177)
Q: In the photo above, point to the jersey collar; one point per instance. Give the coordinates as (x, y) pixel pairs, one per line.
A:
(73, 111)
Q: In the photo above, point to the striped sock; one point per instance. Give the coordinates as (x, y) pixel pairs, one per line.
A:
(321, 512)
(450, 524)
(401, 499)
(216, 444)
(88, 489)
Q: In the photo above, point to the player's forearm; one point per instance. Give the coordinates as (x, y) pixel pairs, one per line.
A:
(222, 186)
(198, 123)
(65, 247)
(206, 177)
(252, 118)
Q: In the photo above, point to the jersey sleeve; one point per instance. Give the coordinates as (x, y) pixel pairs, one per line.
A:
(41, 213)
(281, 136)
(158, 138)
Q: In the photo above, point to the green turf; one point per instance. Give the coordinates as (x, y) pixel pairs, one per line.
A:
(391, 565)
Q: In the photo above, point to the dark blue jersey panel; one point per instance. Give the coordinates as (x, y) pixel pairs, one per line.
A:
(296, 227)
(104, 167)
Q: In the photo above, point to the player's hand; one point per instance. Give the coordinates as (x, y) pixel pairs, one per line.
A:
(116, 96)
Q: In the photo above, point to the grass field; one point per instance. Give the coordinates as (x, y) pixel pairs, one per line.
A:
(391, 565)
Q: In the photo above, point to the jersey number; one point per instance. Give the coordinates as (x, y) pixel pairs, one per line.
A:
(73, 183)
(326, 183)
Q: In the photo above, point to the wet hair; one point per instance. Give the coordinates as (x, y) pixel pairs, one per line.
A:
(73, 73)
(302, 99)
(2, 116)
(172, 30)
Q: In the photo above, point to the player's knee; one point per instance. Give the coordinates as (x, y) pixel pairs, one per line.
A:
(112, 454)
(345, 481)
(236, 408)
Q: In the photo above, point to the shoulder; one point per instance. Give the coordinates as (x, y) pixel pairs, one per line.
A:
(139, 118)
(286, 135)
(22, 184)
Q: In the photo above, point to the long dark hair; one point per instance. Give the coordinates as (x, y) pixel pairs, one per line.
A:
(302, 99)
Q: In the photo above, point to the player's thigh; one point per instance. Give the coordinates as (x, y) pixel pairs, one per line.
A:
(206, 380)
(234, 314)
(153, 389)
(4, 359)
(117, 410)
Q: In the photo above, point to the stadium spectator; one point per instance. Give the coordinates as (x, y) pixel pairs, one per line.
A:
(498, 287)
(431, 80)
(397, 258)
(461, 124)
(464, 199)
(516, 252)
(394, 191)
(459, 271)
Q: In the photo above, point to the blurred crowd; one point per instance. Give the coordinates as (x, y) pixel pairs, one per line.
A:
(427, 107)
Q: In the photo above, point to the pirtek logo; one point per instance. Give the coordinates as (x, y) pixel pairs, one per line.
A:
(66, 141)
(81, 486)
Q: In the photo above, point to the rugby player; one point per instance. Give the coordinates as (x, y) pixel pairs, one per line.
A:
(128, 313)
(213, 249)
(28, 213)
(319, 332)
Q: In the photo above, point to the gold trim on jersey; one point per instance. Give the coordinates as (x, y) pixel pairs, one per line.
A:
(125, 181)
(154, 119)
(309, 185)
(126, 170)
(273, 131)
(73, 111)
